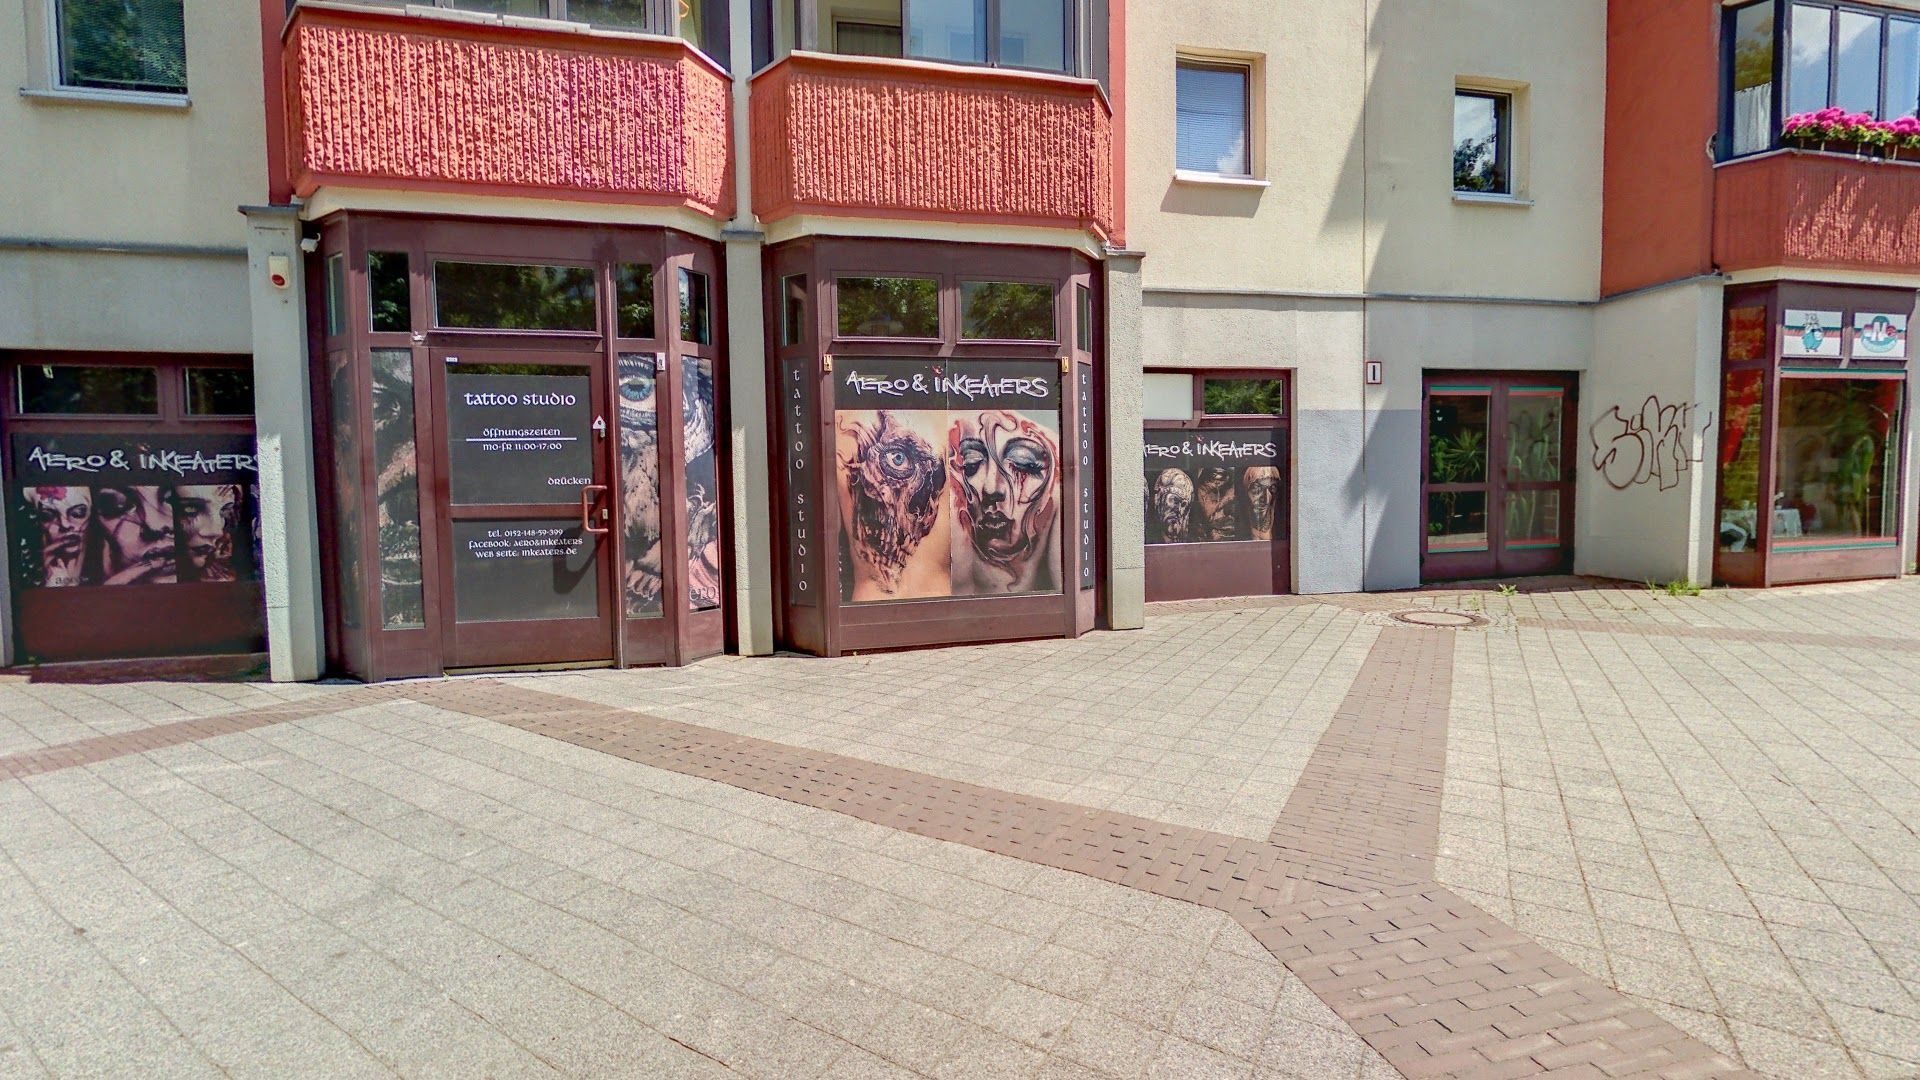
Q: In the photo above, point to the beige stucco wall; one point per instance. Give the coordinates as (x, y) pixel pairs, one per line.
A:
(133, 173)
(1303, 231)
(1661, 346)
(1552, 55)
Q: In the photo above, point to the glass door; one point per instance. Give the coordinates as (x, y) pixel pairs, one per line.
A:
(1497, 490)
(527, 508)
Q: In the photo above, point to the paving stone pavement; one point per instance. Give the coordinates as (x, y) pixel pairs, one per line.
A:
(1612, 832)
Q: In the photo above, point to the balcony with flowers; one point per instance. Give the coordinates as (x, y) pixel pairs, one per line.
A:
(1819, 139)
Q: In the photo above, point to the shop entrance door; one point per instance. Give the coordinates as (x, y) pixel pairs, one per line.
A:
(1497, 486)
(525, 505)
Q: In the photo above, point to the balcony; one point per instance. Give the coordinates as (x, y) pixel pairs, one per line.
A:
(1795, 208)
(876, 137)
(384, 99)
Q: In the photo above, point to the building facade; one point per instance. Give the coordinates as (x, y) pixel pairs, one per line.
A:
(480, 335)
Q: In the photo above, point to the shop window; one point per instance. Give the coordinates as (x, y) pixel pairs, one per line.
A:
(219, 391)
(891, 307)
(633, 297)
(336, 289)
(1083, 318)
(1244, 397)
(641, 584)
(1740, 436)
(71, 389)
(793, 309)
(131, 45)
(513, 296)
(696, 317)
(1482, 142)
(701, 476)
(397, 469)
(1837, 459)
(1006, 311)
(389, 292)
(1213, 118)
(1751, 95)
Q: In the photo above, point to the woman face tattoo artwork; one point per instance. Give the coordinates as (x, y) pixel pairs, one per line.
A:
(1004, 470)
(63, 514)
(893, 498)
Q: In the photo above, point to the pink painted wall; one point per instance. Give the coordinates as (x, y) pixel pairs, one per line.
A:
(1817, 210)
(847, 136)
(387, 100)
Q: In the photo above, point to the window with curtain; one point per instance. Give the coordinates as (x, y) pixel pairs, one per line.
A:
(138, 45)
(1751, 94)
(1212, 118)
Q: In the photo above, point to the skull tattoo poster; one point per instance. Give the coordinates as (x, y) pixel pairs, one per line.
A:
(948, 478)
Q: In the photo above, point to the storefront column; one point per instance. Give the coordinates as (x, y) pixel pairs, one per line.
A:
(283, 420)
(752, 452)
(1126, 501)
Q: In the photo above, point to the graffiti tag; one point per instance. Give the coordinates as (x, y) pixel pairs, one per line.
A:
(1653, 444)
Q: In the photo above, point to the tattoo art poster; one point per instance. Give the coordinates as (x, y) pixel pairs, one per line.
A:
(1213, 486)
(108, 510)
(948, 477)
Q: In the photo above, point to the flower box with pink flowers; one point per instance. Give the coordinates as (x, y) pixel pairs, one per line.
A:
(1854, 133)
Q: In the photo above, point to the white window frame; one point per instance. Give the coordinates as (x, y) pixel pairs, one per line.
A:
(1254, 64)
(46, 79)
(1519, 156)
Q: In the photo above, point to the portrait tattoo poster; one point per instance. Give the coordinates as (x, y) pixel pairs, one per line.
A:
(103, 510)
(948, 478)
(1213, 486)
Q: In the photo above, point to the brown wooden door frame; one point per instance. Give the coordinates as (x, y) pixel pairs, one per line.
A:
(530, 641)
(1503, 556)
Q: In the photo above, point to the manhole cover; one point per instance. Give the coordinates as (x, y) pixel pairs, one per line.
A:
(1438, 619)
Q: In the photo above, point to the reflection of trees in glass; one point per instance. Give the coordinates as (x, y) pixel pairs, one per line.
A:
(889, 307)
(391, 301)
(1533, 454)
(633, 299)
(1244, 397)
(346, 486)
(1006, 310)
(124, 45)
(397, 490)
(1456, 458)
(1857, 437)
(1476, 165)
(502, 296)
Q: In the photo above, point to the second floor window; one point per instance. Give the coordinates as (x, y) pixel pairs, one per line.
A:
(1008, 33)
(136, 45)
(1790, 59)
(1213, 120)
(1482, 143)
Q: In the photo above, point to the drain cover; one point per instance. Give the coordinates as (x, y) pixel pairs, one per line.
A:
(1440, 619)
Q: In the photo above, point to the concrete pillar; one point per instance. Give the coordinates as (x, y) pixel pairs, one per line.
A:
(1126, 496)
(283, 421)
(747, 369)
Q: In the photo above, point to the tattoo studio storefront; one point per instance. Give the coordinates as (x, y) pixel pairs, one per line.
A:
(520, 422)
(1813, 406)
(133, 497)
(1217, 465)
(935, 418)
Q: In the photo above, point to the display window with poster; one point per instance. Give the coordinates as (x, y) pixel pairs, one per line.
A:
(1811, 450)
(936, 471)
(133, 501)
(1217, 469)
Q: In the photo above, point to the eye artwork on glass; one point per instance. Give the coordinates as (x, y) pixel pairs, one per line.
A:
(640, 484)
(948, 477)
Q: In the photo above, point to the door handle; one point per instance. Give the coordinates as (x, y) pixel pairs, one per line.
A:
(586, 509)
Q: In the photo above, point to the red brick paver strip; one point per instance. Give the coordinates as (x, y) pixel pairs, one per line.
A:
(101, 748)
(1437, 986)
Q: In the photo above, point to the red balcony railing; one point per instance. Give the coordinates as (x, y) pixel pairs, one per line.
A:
(1829, 211)
(857, 136)
(385, 99)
